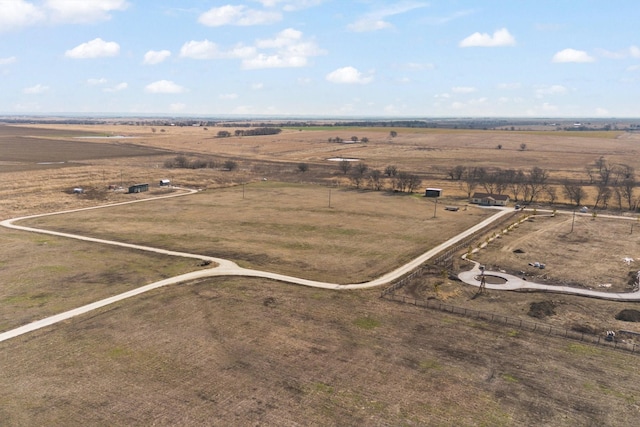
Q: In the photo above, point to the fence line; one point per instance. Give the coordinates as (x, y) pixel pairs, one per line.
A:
(444, 259)
(525, 325)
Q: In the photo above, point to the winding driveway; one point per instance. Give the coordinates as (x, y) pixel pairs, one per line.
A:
(229, 268)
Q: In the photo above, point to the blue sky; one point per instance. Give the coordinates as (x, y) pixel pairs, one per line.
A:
(456, 58)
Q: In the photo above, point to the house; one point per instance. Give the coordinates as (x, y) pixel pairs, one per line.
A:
(488, 199)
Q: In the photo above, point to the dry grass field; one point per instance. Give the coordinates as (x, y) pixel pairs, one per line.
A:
(235, 351)
(249, 352)
(335, 235)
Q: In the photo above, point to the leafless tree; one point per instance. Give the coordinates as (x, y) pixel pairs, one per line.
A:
(574, 192)
(344, 166)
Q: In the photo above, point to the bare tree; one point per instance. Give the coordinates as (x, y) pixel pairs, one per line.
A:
(344, 166)
(390, 171)
(516, 182)
(456, 172)
(375, 179)
(303, 167)
(470, 180)
(536, 182)
(552, 194)
(574, 192)
(230, 165)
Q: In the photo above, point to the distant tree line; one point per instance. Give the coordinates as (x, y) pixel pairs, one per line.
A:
(353, 139)
(183, 162)
(362, 176)
(610, 184)
(250, 132)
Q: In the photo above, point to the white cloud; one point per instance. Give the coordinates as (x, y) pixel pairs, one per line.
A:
(274, 61)
(95, 48)
(7, 61)
(257, 86)
(164, 86)
(442, 95)
(630, 52)
(572, 55)
(96, 82)
(633, 68)
(463, 89)
(419, 67)
(602, 112)
(237, 15)
(542, 91)
(116, 88)
(291, 5)
(509, 86)
(291, 50)
(375, 20)
(18, 13)
(199, 50)
(501, 37)
(228, 96)
(153, 57)
(348, 75)
(82, 11)
(35, 90)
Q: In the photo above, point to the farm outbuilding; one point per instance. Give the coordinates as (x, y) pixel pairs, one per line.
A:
(488, 199)
(433, 192)
(138, 188)
(165, 182)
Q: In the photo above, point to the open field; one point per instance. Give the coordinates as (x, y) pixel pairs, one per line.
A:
(242, 351)
(44, 275)
(336, 235)
(250, 352)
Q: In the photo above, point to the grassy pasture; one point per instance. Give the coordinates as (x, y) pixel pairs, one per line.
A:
(327, 234)
(46, 275)
(253, 352)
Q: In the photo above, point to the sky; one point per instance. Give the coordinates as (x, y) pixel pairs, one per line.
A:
(327, 58)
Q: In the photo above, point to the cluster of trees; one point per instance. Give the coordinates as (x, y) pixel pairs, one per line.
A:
(183, 162)
(608, 183)
(250, 132)
(361, 175)
(528, 184)
(353, 139)
(611, 181)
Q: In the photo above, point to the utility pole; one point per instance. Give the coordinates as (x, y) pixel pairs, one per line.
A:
(573, 221)
(435, 206)
(329, 197)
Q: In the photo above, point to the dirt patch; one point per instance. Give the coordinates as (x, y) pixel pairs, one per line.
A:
(629, 315)
(542, 309)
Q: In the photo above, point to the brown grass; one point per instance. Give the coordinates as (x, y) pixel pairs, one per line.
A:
(250, 352)
(46, 275)
(335, 235)
(234, 351)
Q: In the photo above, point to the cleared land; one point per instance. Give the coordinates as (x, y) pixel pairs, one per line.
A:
(248, 351)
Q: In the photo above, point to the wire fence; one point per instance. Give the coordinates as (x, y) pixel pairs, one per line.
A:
(517, 323)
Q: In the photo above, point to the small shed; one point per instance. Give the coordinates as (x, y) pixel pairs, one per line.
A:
(433, 192)
(165, 182)
(138, 188)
